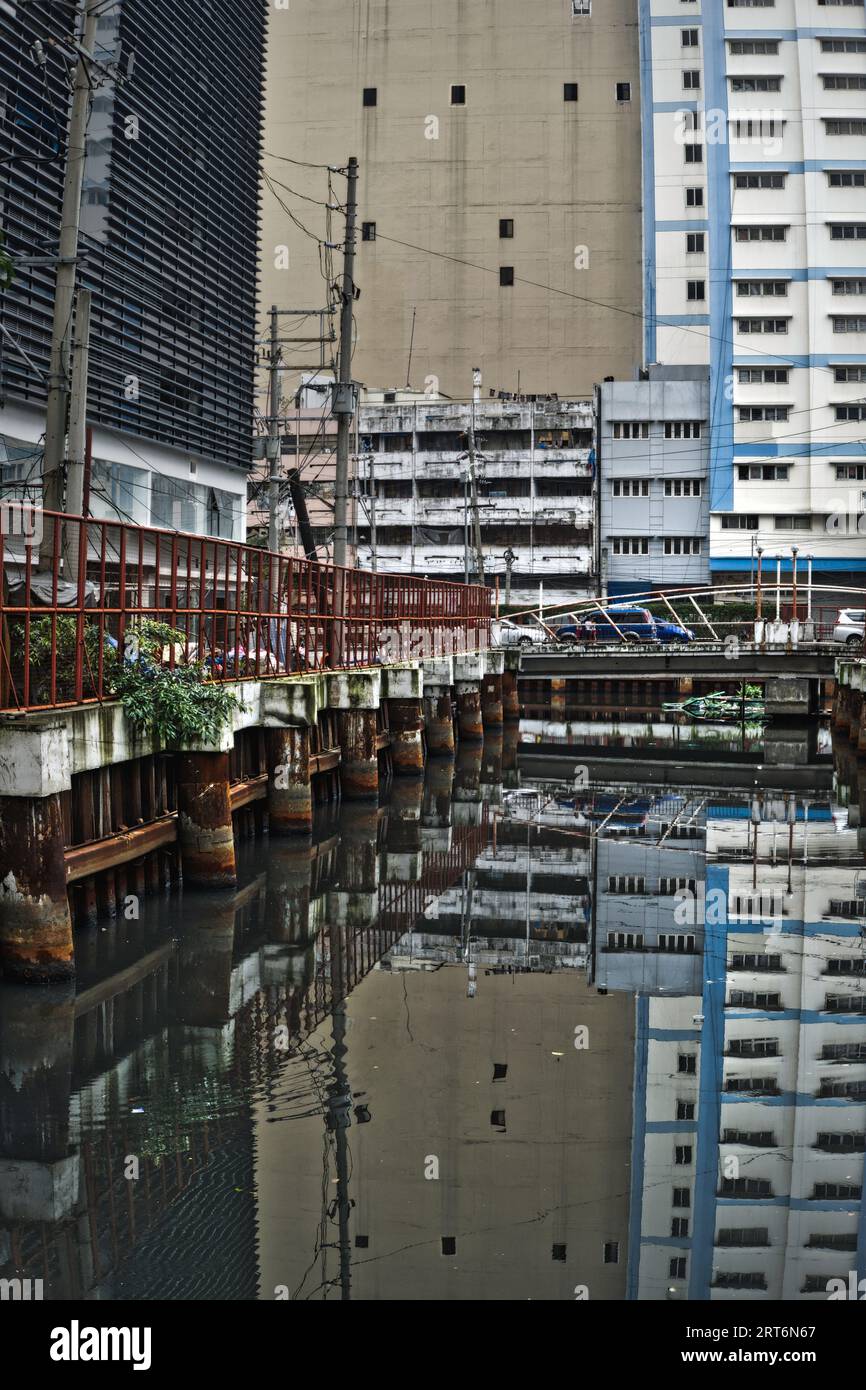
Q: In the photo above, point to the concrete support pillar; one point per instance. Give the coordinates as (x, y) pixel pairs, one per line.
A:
(492, 707)
(468, 678)
(290, 794)
(403, 688)
(406, 720)
(510, 696)
(35, 921)
(356, 695)
(204, 822)
(439, 722)
(359, 756)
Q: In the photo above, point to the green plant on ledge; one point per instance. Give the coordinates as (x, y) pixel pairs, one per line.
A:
(178, 706)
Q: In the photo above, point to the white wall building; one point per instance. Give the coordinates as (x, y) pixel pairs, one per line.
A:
(755, 262)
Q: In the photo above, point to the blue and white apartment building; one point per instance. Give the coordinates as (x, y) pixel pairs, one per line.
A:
(754, 172)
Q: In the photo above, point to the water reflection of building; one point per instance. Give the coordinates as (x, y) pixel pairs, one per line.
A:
(750, 1098)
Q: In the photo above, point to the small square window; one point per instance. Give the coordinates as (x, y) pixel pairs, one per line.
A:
(685, 1110)
(362, 1242)
(569, 91)
(611, 1252)
(506, 227)
(695, 196)
(449, 1245)
(558, 1252)
(368, 231)
(371, 96)
(497, 1119)
(695, 243)
(458, 96)
(692, 80)
(696, 290)
(623, 91)
(506, 275)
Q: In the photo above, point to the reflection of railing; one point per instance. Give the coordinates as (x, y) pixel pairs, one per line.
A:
(72, 601)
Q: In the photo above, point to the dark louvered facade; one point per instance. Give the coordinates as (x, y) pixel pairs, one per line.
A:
(169, 214)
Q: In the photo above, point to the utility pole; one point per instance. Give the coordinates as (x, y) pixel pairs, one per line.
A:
(77, 451)
(274, 436)
(509, 558)
(473, 481)
(371, 499)
(344, 396)
(64, 293)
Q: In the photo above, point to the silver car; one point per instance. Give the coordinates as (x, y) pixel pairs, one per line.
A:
(508, 634)
(849, 626)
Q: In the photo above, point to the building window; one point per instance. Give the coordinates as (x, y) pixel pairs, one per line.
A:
(569, 91)
(371, 96)
(756, 84)
(682, 487)
(846, 178)
(682, 1197)
(611, 1252)
(751, 4)
(630, 487)
(506, 275)
(755, 128)
(449, 1245)
(693, 154)
(762, 325)
(848, 231)
(849, 285)
(630, 545)
(695, 242)
(691, 80)
(844, 81)
(680, 1225)
(753, 1047)
(747, 47)
(580, 7)
(739, 521)
(696, 290)
(682, 545)
(850, 412)
(506, 228)
(746, 413)
(687, 1064)
(695, 196)
(631, 429)
(763, 472)
(844, 125)
(754, 999)
(677, 1267)
(623, 91)
(743, 1236)
(690, 38)
(624, 941)
(682, 1155)
(763, 289)
(682, 429)
(458, 96)
(762, 376)
(626, 883)
(849, 323)
(846, 373)
(772, 179)
(851, 472)
(685, 1110)
(843, 45)
(368, 231)
(775, 232)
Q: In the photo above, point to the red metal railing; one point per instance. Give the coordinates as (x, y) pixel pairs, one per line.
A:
(244, 613)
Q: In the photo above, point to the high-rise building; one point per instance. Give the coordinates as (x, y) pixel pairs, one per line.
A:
(499, 191)
(755, 263)
(168, 247)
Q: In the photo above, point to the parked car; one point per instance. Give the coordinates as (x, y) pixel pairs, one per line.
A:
(635, 624)
(849, 626)
(509, 634)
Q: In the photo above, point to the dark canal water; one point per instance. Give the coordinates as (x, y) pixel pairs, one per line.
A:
(583, 1014)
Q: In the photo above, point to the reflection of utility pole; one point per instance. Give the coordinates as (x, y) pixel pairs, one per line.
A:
(339, 1119)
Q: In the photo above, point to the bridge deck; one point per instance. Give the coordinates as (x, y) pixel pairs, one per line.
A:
(705, 661)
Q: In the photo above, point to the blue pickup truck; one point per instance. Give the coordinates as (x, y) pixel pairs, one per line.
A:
(635, 624)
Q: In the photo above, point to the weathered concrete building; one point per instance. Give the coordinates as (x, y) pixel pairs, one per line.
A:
(500, 184)
(534, 482)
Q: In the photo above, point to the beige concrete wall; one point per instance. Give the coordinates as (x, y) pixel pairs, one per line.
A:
(568, 174)
(424, 1060)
